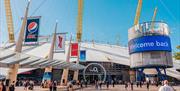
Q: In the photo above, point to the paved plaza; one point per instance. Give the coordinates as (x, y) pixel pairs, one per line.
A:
(121, 88)
(116, 88)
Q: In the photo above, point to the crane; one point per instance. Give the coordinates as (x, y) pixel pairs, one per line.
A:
(9, 21)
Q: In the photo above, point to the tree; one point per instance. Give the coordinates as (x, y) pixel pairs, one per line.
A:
(177, 54)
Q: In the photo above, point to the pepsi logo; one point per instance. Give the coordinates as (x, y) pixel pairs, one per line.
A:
(32, 27)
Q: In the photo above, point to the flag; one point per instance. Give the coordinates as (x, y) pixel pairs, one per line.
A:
(74, 49)
(60, 42)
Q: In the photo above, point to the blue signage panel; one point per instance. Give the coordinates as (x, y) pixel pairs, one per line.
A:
(82, 55)
(32, 30)
(47, 76)
(150, 43)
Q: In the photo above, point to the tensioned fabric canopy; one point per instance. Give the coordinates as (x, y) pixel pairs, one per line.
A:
(9, 57)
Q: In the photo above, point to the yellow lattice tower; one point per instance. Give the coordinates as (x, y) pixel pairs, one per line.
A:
(79, 21)
(138, 12)
(9, 20)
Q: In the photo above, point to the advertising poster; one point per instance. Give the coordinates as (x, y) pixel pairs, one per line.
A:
(32, 30)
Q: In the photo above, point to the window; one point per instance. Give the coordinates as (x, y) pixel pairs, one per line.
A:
(155, 55)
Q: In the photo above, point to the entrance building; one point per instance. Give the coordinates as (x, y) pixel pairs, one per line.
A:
(103, 71)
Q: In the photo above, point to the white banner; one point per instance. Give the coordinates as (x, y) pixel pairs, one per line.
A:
(60, 42)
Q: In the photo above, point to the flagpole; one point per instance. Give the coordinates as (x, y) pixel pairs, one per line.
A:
(48, 70)
(66, 70)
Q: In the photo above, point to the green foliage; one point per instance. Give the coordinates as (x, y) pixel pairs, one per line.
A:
(178, 47)
(177, 54)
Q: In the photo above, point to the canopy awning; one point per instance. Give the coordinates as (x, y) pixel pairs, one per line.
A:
(9, 57)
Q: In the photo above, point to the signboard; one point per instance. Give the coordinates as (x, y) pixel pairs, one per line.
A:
(74, 49)
(47, 76)
(95, 69)
(82, 55)
(32, 29)
(150, 43)
(60, 42)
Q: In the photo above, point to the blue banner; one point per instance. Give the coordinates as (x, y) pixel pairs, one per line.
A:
(47, 76)
(82, 55)
(32, 30)
(150, 43)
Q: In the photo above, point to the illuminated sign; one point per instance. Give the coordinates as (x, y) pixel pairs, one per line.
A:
(149, 43)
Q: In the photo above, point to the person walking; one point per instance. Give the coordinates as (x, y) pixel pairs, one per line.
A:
(86, 83)
(131, 86)
(81, 84)
(1, 86)
(100, 84)
(50, 86)
(31, 85)
(78, 83)
(157, 83)
(166, 87)
(96, 84)
(4, 87)
(12, 86)
(148, 85)
(126, 85)
(140, 84)
(26, 84)
(54, 86)
(137, 84)
(107, 84)
(113, 82)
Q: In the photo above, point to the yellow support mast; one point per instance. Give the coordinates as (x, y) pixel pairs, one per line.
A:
(138, 12)
(153, 19)
(9, 21)
(79, 33)
(79, 22)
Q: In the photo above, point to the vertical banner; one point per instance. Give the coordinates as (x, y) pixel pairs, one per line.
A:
(47, 76)
(60, 42)
(82, 55)
(74, 49)
(32, 29)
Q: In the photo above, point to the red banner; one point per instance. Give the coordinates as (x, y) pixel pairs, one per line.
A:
(60, 41)
(74, 49)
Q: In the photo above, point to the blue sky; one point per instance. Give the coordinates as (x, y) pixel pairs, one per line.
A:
(103, 20)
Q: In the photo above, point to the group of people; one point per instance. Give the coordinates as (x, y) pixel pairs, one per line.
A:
(4, 87)
(28, 85)
(164, 87)
(80, 83)
(98, 84)
(52, 85)
(130, 84)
